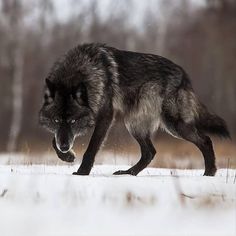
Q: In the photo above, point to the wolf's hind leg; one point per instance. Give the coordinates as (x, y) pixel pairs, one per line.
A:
(147, 153)
(203, 142)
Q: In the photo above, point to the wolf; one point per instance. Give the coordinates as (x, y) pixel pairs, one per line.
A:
(91, 83)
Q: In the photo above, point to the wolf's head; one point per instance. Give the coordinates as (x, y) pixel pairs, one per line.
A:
(66, 113)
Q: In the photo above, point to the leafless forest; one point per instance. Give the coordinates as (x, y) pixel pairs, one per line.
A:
(199, 38)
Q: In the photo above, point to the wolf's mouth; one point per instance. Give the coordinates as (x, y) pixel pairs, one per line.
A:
(65, 146)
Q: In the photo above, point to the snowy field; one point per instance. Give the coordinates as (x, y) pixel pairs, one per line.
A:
(48, 200)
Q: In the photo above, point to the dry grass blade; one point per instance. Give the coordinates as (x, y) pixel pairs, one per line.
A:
(3, 192)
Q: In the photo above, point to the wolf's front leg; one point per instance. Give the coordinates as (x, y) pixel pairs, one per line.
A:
(102, 125)
(68, 157)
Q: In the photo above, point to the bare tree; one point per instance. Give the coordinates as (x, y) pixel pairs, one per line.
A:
(202, 40)
(13, 12)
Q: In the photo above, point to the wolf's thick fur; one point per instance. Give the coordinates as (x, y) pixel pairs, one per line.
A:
(92, 82)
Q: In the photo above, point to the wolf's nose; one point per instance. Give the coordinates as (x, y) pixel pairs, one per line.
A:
(65, 147)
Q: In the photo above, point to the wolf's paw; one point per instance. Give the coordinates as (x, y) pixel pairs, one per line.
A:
(81, 172)
(68, 157)
(210, 172)
(124, 172)
(77, 173)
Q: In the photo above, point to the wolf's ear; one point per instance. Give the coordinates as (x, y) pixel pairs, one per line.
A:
(49, 92)
(80, 94)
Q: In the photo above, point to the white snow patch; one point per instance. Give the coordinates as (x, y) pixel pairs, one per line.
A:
(48, 200)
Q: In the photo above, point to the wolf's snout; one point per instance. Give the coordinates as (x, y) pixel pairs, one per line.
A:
(64, 139)
(64, 148)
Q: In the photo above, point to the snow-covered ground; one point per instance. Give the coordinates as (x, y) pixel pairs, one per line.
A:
(48, 200)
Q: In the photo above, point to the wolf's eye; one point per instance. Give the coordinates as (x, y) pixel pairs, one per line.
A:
(56, 121)
(72, 121)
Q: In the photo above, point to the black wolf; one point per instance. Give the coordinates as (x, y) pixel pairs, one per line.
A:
(92, 82)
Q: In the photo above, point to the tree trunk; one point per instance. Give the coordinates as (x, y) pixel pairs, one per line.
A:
(14, 12)
(17, 98)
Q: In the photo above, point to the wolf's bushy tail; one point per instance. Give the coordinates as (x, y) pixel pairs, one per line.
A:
(212, 124)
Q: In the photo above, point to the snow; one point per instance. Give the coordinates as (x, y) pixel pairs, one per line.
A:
(48, 200)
